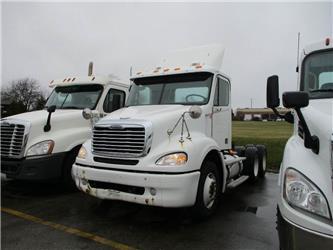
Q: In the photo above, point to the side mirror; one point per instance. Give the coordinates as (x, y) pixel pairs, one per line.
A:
(51, 109)
(87, 113)
(195, 112)
(272, 94)
(295, 99)
(47, 126)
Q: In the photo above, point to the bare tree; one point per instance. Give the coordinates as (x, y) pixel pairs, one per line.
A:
(22, 95)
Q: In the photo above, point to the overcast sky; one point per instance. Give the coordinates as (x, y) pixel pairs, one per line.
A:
(54, 40)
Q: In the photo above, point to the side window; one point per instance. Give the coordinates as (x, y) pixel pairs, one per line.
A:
(223, 92)
(115, 99)
(221, 97)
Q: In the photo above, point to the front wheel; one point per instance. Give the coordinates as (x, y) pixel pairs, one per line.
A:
(209, 190)
(67, 179)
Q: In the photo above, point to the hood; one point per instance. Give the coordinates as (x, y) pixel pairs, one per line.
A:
(61, 120)
(41, 115)
(162, 118)
(151, 112)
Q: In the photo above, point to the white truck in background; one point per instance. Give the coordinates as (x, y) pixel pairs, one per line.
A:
(305, 202)
(171, 145)
(42, 145)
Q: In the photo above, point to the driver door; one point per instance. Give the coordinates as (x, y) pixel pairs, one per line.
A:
(221, 115)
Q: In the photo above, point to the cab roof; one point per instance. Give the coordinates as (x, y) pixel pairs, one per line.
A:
(206, 58)
(321, 45)
(73, 80)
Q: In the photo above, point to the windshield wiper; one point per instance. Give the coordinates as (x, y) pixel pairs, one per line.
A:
(70, 107)
(321, 90)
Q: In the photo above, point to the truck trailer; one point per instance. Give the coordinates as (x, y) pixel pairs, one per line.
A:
(171, 145)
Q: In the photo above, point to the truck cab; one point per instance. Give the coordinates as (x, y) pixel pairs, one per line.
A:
(170, 146)
(42, 145)
(305, 201)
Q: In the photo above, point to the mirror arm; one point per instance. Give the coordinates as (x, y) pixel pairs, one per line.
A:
(276, 112)
(310, 141)
(47, 126)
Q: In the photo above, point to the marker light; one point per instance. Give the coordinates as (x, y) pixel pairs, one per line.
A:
(82, 153)
(327, 41)
(174, 159)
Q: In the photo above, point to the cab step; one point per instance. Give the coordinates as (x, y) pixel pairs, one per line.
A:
(237, 182)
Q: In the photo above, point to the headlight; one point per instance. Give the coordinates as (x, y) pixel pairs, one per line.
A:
(41, 148)
(174, 159)
(82, 153)
(302, 193)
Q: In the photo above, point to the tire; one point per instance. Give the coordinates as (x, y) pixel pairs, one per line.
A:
(262, 155)
(251, 164)
(209, 190)
(240, 150)
(67, 179)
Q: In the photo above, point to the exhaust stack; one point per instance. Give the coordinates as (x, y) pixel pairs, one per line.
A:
(90, 68)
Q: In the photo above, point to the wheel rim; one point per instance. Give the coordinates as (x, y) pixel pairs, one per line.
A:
(256, 167)
(264, 163)
(209, 192)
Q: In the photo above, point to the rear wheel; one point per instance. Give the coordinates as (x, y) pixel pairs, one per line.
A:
(262, 156)
(251, 164)
(209, 190)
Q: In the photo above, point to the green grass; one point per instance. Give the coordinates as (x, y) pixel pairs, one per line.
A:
(273, 135)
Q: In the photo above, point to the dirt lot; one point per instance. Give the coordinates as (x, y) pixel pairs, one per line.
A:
(36, 216)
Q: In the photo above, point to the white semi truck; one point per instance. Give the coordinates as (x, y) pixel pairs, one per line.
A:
(305, 202)
(171, 145)
(42, 145)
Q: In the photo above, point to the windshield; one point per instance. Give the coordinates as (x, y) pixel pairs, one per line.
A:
(75, 97)
(317, 75)
(186, 89)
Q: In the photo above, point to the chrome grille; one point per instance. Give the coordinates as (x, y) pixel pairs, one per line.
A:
(12, 139)
(119, 140)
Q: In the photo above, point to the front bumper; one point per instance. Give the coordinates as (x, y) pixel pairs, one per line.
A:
(164, 190)
(37, 168)
(296, 237)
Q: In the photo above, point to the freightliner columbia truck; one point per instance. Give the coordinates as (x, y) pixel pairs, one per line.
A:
(305, 202)
(171, 145)
(42, 145)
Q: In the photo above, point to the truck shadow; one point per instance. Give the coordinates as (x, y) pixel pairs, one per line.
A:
(247, 198)
(26, 189)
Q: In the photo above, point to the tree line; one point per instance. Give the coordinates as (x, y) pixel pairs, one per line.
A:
(21, 96)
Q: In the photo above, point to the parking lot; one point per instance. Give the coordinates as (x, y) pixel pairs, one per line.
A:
(42, 216)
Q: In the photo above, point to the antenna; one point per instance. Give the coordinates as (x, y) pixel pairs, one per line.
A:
(298, 41)
(90, 69)
(131, 69)
(297, 68)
